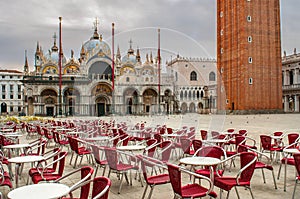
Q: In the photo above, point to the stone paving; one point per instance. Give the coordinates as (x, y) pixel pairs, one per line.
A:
(254, 124)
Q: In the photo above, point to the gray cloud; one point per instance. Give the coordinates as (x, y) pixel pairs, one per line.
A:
(23, 23)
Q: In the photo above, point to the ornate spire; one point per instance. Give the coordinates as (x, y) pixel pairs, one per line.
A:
(130, 50)
(54, 48)
(37, 48)
(95, 35)
(26, 63)
(138, 56)
(118, 53)
(151, 58)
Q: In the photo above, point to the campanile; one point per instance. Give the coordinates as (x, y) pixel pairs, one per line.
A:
(249, 56)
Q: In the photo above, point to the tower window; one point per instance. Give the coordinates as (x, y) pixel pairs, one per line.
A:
(249, 18)
(221, 14)
(250, 60)
(227, 101)
(250, 81)
(249, 39)
(222, 50)
(127, 79)
(221, 32)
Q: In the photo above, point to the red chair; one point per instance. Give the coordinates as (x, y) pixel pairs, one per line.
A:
(117, 166)
(186, 145)
(197, 144)
(189, 190)
(5, 178)
(260, 163)
(59, 141)
(100, 161)
(78, 150)
(292, 138)
(243, 178)
(152, 180)
(151, 147)
(165, 153)
(214, 152)
(43, 175)
(266, 146)
(86, 173)
(101, 186)
(48, 156)
(297, 166)
(203, 134)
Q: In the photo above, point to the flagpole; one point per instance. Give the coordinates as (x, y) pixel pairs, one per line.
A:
(113, 68)
(60, 67)
(158, 55)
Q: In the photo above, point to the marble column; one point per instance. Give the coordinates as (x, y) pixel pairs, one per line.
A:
(286, 103)
(296, 103)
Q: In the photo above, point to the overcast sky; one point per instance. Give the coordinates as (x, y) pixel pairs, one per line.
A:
(188, 27)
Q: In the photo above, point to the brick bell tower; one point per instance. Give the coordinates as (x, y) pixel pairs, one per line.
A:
(249, 56)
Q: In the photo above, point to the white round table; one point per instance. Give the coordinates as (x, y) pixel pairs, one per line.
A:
(290, 151)
(131, 148)
(200, 161)
(21, 160)
(39, 191)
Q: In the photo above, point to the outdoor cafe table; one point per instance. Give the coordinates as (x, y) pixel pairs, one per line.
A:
(16, 146)
(39, 191)
(290, 151)
(131, 148)
(21, 160)
(201, 161)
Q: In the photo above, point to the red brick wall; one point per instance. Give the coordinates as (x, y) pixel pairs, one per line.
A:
(265, 49)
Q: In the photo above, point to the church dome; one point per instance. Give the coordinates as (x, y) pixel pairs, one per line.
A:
(53, 56)
(94, 46)
(129, 58)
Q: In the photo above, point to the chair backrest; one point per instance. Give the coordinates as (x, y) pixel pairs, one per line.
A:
(62, 160)
(230, 130)
(211, 151)
(175, 178)
(111, 157)
(197, 144)
(240, 140)
(166, 150)
(242, 132)
(247, 170)
(151, 147)
(214, 134)
(186, 145)
(297, 162)
(86, 173)
(101, 187)
(157, 136)
(292, 137)
(265, 142)
(203, 134)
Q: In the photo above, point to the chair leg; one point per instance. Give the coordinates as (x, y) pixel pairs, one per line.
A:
(150, 194)
(237, 193)
(104, 170)
(263, 174)
(279, 171)
(71, 157)
(145, 192)
(75, 161)
(295, 189)
(96, 170)
(274, 180)
(251, 192)
(227, 197)
(120, 186)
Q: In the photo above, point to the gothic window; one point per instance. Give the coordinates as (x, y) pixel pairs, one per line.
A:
(212, 76)
(127, 79)
(193, 76)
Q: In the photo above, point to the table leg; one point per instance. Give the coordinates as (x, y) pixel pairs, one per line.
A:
(17, 174)
(285, 163)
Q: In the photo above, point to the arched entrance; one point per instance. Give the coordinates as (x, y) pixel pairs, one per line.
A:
(3, 107)
(49, 98)
(192, 108)
(150, 101)
(184, 107)
(167, 100)
(103, 96)
(131, 101)
(71, 99)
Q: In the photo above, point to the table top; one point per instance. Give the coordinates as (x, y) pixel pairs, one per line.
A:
(171, 135)
(200, 161)
(25, 159)
(11, 134)
(6, 130)
(39, 191)
(75, 132)
(131, 148)
(291, 150)
(216, 140)
(16, 146)
(98, 138)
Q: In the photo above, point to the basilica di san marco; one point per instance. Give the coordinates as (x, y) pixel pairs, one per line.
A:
(88, 86)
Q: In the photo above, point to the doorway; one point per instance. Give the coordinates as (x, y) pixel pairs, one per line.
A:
(49, 111)
(101, 109)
